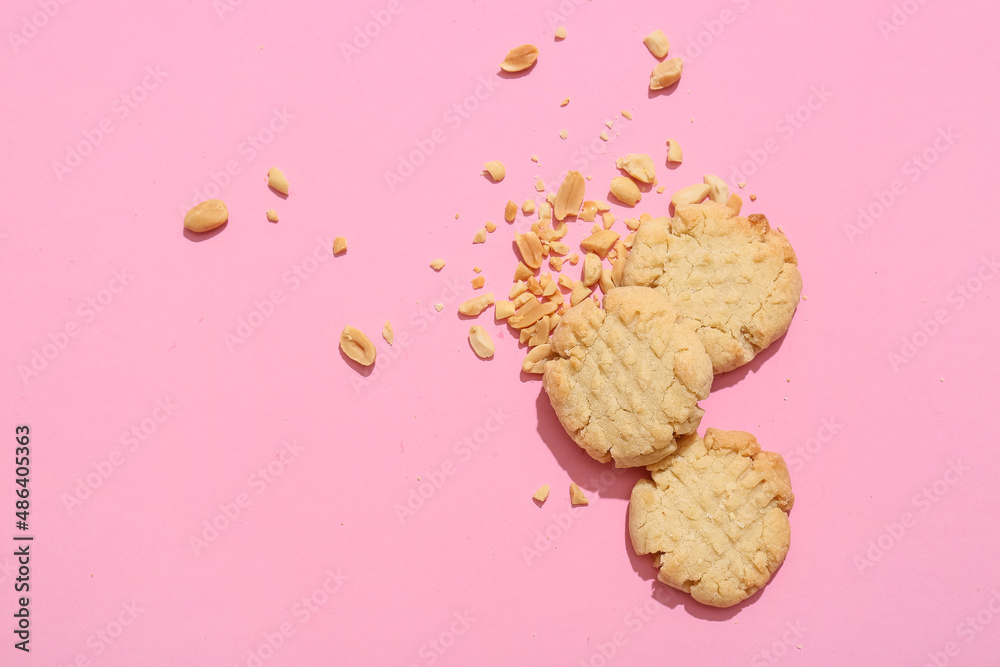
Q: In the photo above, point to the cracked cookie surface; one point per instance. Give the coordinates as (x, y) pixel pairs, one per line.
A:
(628, 378)
(715, 515)
(734, 280)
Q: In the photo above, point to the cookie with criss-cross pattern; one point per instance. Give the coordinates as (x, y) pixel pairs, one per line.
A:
(734, 280)
(715, 516)
(628, 378)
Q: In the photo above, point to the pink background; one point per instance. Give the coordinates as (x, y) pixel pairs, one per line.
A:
(893, 459)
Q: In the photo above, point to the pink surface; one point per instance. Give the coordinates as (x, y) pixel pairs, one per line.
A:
(881, 397)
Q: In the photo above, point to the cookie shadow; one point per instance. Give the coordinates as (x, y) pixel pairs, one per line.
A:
(737, 375)
(590, 475)
(672, 597)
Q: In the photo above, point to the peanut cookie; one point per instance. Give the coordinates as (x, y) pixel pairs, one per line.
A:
(629, 377)
(733, 279)
(715, 515)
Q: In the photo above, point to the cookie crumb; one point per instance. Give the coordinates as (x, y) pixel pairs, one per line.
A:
(576, 495)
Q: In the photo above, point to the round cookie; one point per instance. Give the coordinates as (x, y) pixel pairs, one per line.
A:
(715, 515)
(628, 377)
(733, 279)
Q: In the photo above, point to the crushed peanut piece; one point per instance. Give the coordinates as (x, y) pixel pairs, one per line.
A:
(639, 166)
(603, 206)
(604, 136)
(626, 114)
(576, 495)
(753, 197)
(742, 184)
(573, 259)
(589, 211)
(561, 33)
(437, 264)
(535, 360)
(522, 272)
(520, 58)
(481, 342)
(580, 293)
(517, 289)
(542, 494)
(565, 282)
(490, 227)
(564, 102)
(718, 191)
(477, 269)
(692, 194)
(625, 190)
(503, 309)
(276, 180)
(735, 203)
(629, 240)
(530, 313)
(523, 299)
(476, 304)
(387, 332)
(555, 263)
(339, 245)
(632, 223)
(357, 346)
(569, 198)
(545, 211)
(510, 211)
(618, 270)
(563, 134)
(272, 215)
(657, 43)
(666, 74)
(539, 186)
(660, 189)
(478, 282)
(528, 207)
(534, 286)
(541, 332)
(439, 306)
(674, 152)
(607, 220)
(534, 158)
(559, 248)
(480, 236)
(591, 269)
(600, 242)
(605, 282)
(496, 170)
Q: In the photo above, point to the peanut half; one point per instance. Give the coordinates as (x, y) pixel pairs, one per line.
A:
(206, 216)
(674, 152)
(535, 360)
(625, 190)
(531, 249)
(718, 191)
(356, 345)
(520, 58)
(692, 194)
(510, 211)
(276, 179)
(476, 304)
(666, 74)
(639, 166)
(481, 342)
(657, 43)
(569, 198)
(496, 170)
